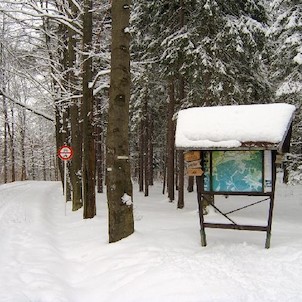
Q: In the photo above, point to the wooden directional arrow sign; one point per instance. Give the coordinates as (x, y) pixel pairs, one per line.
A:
(65, 153)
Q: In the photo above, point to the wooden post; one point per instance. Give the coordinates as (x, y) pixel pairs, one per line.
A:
(199, 184)
(272, 199)
(181, 178)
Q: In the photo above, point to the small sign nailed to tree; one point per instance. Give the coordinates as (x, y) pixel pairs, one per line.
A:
(65, 153)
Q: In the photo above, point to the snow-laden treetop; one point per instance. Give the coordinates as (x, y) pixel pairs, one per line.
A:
(233, 126)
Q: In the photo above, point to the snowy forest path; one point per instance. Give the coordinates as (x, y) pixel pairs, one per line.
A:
(29, 241)
(48, 256)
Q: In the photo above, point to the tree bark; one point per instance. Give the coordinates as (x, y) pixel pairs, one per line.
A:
(181, 174)
(44, 165)
(33, 167)
(22, 136)
(119, 185)
(5, 152)
(164, 172)
(141, 157)
(170, 142)
(146, 147)
(11, 132)
(99, 150)
(76, 138)
(88, 172)
(181, 203)
(190, 187)
(150, 162)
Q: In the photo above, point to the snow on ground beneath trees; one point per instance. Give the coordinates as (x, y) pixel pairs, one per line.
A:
(288, 88)
(47, 256)
(230, 126)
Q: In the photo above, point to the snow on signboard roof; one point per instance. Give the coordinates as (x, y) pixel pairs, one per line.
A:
(232, 126)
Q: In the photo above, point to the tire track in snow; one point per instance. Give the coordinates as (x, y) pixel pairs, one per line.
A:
(27, 246)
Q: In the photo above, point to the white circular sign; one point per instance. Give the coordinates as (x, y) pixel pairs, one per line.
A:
(65, 153)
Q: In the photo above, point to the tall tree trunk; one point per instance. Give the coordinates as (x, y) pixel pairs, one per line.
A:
(141, 157)
(33, 166)
(5, 152)
(146, 147)
(150, 162)
(61, 108)
(190, 187)
(44, 165)
(2, 83)
(170, 142)
(61, 130)
(87, 115)
(23, 135)
(180, 202)
(99, 150)
(56, 168)
(164, 172)
(76, 162)
(12, 146)
(119, 185)
(181, 174)
(76, 138)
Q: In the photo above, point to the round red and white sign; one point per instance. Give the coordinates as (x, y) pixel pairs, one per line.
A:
(65, 153)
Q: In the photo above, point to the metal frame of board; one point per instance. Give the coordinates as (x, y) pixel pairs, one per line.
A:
(267, 196)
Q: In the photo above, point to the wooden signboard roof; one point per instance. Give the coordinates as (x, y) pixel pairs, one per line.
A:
(235, 127)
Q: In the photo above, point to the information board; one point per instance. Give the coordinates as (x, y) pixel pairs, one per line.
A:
(235, 171)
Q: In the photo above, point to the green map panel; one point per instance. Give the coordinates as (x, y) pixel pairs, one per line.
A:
(235, 171)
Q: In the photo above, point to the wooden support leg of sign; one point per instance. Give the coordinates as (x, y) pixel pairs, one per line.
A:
(199, 180)
(271, 206)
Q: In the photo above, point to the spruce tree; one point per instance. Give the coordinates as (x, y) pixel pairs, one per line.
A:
(286, 70)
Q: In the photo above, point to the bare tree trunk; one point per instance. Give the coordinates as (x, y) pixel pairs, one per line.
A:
(76, 162)
(164, 173)
(99, 151)
(141, 157)
(33, 167)
(5, 152)
(170, 142)
(61, 109)
(56, 169)
(181, 174)
(44, 165)
(190, 187)
(76, 138)
(87, 115)
(2, 83)
(60, 117)
(12, 145)
(176, 166)
(146, 147)
(181, 203)
(119, 185)
(22, 135)
(150, 162)
(182, 14)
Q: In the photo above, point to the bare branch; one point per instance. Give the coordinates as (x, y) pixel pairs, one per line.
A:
(49, 118)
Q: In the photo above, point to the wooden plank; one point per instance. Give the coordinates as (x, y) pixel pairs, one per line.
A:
(194, 164)
(236, 227)
(194, 172)
(192, 155)
(199, 184)
(279, 158)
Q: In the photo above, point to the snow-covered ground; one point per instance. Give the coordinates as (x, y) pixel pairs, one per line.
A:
(47, 256)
